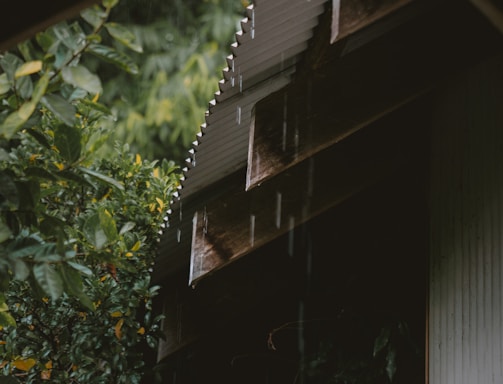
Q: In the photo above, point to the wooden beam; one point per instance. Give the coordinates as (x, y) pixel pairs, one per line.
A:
(351, 16)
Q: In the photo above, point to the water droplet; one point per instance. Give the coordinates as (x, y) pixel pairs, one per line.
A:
(291, 235)
(180, 212)
(252, 230)
(233, 81)
(178, 235)
(285, 123)
(205, 221)
(278, 209)
(238, 115)
(240, 83)
(253, 24)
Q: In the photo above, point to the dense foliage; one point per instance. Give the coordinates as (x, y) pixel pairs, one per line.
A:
(78, 230)
(184, 45)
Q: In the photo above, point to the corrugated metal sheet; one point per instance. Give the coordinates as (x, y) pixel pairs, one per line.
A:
(466, 281)
(273, 35)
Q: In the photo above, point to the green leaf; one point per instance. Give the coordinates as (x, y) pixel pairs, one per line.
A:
(40, 137)
(100, 229)
(96, 106)
(69, 174)
(93, 15)
(9, 63)
(73, 284)
(61, 108)
(40, 173)
(81, 77)
(110, 3)
(21, 270)
(114, 57)
(391, 363)
(4, 84)
(81, 268)
(68, 141)
(102, 177)
(123, 35)
(127, 227)
(8, 191)
(48, 279)
(17, 118)
(4, 231)
(382, 340)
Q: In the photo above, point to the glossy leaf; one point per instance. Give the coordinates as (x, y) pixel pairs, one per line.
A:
(61, 108)
(68, 141)
(123, 35)
(100, 176)
(100, 229)
(93, 15)
(114, 57)
(81, 77)
(28, 68)
(48, 279)
(81, 268)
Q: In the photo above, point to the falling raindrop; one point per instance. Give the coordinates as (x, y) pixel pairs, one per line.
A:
(205, 221)
(238, 115)
(291, 235)
(233, 82)
(240, 83)
(252, 230)
(285, 124)
(278, 209)
(180, 212)
(253, 24)
(178, 235)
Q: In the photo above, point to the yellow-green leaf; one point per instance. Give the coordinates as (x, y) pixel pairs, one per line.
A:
(4, 84)
(118, 328)
(136, 246)
(28, 68)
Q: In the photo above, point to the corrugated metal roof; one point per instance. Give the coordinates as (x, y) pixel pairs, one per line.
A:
(263, 57)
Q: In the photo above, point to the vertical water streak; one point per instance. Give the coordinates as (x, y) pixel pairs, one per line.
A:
(278, 209)
(178, 235)
(238, 115)
(291, 235)
(252, 230)
(252, 31)
(285, 122)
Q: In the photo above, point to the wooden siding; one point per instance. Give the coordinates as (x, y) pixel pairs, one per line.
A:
(466, 275)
